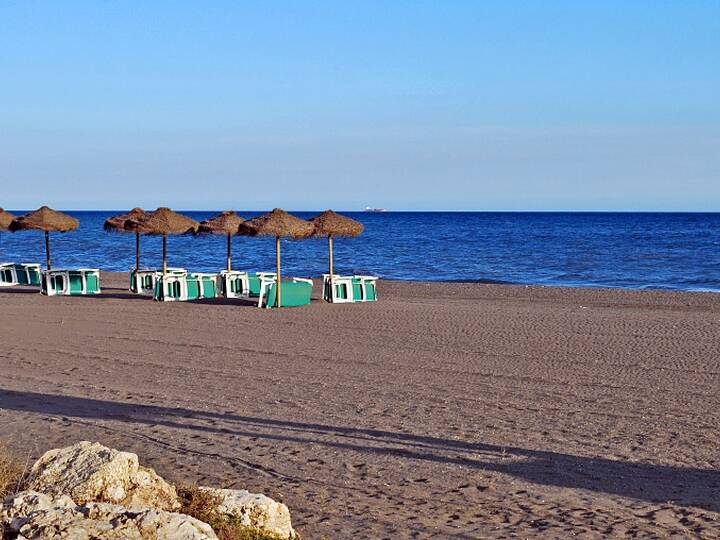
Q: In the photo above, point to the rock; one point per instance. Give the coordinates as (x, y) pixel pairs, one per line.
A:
(36, 516)
(90, 472)
(254, 510)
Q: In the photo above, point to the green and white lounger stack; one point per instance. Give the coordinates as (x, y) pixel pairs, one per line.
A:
(80, 282)
(143, 281)
(236, 284)
(19, 274)
(185, 287)
(349, 289)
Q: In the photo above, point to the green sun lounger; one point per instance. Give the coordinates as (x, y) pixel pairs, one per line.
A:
(80, 282)
(19, 274)
(143, 281)
(293, 293)
(349, 289)
(184, 288)
(237, 284)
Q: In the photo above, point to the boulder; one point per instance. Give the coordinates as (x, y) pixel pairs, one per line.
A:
(37, 516)
(90, 472)
(253, 510)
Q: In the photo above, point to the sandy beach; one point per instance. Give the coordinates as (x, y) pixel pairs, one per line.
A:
(445, 410)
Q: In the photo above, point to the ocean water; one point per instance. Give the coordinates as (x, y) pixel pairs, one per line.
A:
(629, 250)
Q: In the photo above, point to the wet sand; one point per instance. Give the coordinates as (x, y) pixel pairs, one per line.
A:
(444, 410)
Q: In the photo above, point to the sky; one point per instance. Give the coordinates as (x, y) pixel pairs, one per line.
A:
(409, 105)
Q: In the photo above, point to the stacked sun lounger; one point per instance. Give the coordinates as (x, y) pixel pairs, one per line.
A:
(143, 281)
(80, 282)
(347, 289)
(185, 287)
(19, 274)
(236, 284)
(292, 293)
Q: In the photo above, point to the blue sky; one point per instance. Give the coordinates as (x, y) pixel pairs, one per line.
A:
(477, 105)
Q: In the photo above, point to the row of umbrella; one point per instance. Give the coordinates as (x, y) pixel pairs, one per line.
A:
(164, 222)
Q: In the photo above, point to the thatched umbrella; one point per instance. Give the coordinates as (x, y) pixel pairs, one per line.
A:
(5, 220)
(225, 223)
(117, 224)
(47, 220)
(329, 224)
(162, 222)
(277, 223)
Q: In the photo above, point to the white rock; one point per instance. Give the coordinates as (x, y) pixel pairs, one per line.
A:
(37, 516)
(91, 472)
(254, 510)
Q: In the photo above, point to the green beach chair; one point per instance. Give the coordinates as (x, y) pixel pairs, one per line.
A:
(238, 284)
(365, 288)
(185, 287)
(19, 274)
(349, 289)
(80, 282)
(143, 281)
(294, 293)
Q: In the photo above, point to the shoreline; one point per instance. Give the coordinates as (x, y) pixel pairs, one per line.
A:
(444, 409)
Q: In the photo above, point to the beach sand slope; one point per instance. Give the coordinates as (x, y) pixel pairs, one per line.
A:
(442, 411)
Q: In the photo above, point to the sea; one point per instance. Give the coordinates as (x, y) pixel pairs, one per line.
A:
(677, 251)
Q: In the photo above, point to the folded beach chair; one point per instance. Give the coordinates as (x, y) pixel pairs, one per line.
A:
(236, 284)
(185, 287)
(80, 282)
(365, 288)
(143, 281)
(294, 293)
(345, 289)
(19, 274)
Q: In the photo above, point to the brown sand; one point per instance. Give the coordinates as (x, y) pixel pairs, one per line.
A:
(444, 410)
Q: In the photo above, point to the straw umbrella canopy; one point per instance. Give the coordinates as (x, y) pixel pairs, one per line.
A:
(117, 224)
(47, 220)
(5, 220)
(330, 224)
(162, 222)
(279, 224)
(225, 223)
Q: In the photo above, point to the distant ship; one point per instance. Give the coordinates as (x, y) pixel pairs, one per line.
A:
(368, 209)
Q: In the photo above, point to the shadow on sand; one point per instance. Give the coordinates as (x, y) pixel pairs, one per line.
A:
(645, 481)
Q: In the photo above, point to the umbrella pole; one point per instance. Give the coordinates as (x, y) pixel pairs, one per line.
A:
(331, 254)
(229, 253)
(277, 260)
(164, 255)
(137, 251)
(47, 249)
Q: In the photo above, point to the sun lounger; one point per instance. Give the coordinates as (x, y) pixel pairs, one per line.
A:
(143, 281)
(293, 293)
(19, 274)
(348, 289)
(80, 282)
(237, 284)
(185, 287)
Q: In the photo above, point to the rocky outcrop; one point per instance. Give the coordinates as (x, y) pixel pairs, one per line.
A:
(254, 510)
(90, 472)
(38, 516)
(89, 491)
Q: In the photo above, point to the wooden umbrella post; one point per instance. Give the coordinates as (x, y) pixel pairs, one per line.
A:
(164, 255)
(47, 249)
(137, 252)
(277, 257)
(331, 254)
(229, 253)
